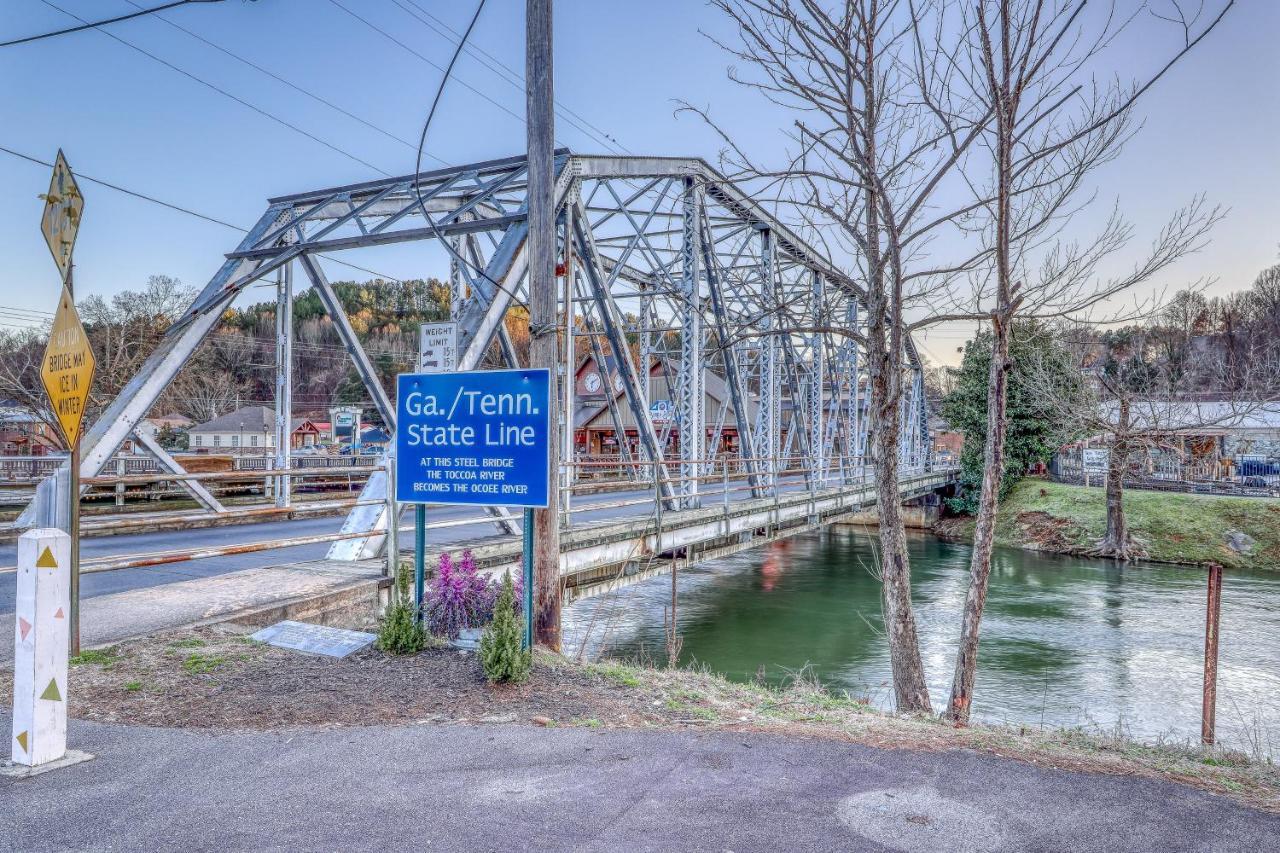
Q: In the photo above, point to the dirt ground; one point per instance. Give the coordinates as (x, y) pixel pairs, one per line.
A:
(218, 678)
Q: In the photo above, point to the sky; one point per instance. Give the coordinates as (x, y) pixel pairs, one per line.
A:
(1209, 127)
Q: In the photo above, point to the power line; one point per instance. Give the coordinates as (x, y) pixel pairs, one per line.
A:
(259, 110)
(180, 209)
(115, 20)
(318, 98)
(120, 189)
(430, 62)
(511, 76)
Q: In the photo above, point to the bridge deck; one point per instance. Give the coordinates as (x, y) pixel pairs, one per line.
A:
(608, 553)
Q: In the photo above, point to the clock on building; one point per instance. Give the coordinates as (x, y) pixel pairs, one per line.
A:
(592, 383)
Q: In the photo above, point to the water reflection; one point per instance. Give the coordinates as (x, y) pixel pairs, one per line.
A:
(1065, 641)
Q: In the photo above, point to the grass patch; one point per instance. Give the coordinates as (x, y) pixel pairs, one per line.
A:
(621, 675)
(198, 664)
(101, 657)
(133, 686)
(1174, 528)
(187, 643)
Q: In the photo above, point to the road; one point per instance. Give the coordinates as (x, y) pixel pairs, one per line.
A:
(123, 580)
(517, 787)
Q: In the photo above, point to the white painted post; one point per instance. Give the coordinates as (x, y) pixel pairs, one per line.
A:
(41, 644)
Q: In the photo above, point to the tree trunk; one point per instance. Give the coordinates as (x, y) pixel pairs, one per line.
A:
(911, 691)
(984, 532)
(1117, 542)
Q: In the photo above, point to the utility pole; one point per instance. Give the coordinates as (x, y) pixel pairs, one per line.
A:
(544, 349)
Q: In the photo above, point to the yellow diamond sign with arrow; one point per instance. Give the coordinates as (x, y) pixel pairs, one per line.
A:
(67, 370)
(62, 207)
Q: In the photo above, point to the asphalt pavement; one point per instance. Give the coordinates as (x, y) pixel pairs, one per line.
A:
(519, 787)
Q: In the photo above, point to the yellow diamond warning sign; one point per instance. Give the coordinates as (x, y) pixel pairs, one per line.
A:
(63, 205)
(67, 371)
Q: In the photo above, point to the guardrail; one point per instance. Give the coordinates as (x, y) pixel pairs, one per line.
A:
(726, 480)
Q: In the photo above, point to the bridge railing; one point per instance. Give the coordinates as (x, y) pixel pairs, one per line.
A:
(725, 481)
(720, 478)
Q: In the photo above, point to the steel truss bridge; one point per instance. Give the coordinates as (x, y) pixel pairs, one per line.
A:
(663, 262)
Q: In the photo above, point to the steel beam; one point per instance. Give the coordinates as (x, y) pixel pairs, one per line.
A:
(690, 394)
(769, 417)
(118, 420)
(616, 334)
(194, 488)
(364, 367)
(284, 384)
(817, 378)
(731, 356)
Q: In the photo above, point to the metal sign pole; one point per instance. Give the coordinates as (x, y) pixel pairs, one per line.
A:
(528, 578)
(1213, 613)
(73, 519)
(68, 366)
(419, 557)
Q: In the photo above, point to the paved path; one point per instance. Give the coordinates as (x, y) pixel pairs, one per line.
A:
(523, 788)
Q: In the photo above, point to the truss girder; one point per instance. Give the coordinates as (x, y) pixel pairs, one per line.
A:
(669, 257)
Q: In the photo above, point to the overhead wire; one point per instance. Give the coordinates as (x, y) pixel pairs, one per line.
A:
(297, 88)
(507, 73)
(259, 110)
(417, 169)
(185, 210)
(426, 59)
(89, 25)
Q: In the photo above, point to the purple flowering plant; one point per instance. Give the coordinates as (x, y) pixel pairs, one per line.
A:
(458, 597)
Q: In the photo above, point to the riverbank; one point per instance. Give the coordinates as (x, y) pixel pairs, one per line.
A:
(216, 679)
(1185, 529)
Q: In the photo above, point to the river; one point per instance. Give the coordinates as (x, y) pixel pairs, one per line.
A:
(1066, 642)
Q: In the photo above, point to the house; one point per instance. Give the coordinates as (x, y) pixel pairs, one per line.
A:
(173, 422)
(596, 434)
(307, 433)
(1191, 439)
(251, 430)
(247, 430)
(24, 433)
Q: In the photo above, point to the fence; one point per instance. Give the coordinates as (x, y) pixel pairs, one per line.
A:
(22, 469)
(1247, 475)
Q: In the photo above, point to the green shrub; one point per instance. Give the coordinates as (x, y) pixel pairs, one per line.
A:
(500, 647)
(400, 632)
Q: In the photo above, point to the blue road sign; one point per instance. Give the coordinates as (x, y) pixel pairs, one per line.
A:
(473, 438)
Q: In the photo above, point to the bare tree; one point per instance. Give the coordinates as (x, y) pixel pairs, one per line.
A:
(21, 355)
(880, 124)
(1143, 406)
(1026, 61)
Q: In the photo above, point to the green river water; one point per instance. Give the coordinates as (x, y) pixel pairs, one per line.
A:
(1065, 641)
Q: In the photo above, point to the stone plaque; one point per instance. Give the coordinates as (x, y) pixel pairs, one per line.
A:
(314, 639)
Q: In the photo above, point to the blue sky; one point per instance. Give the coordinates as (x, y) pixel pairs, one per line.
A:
(1210, 126)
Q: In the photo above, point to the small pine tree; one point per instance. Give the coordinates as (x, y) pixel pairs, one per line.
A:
(400, 632)
(500, 651)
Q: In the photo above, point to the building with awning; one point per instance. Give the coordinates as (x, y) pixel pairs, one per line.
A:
(597, 434)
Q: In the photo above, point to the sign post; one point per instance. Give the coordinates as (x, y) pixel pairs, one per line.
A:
(67, 371)
(479, 438)
(40, 647)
